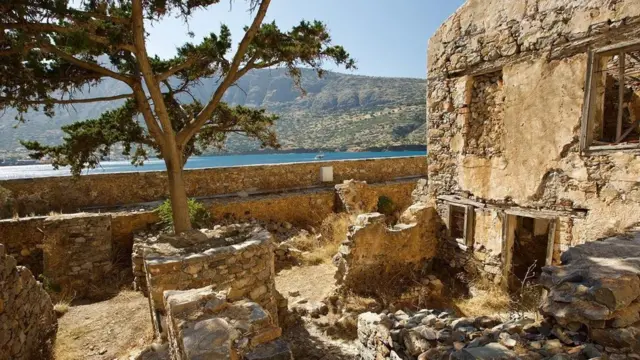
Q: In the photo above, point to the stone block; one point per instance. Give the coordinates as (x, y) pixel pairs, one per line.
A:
(203, 324)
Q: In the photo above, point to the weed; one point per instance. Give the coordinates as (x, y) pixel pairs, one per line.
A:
(198, 213)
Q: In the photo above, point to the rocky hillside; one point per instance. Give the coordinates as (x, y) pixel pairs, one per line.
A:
(339, 111)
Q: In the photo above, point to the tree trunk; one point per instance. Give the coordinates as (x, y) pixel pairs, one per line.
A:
(178, 193)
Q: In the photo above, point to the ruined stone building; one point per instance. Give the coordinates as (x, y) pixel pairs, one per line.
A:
(533, 128)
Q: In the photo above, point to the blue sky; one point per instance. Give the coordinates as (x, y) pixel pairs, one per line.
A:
(387, 38)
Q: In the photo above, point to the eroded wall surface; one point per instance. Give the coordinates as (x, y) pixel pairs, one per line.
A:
(506, 93)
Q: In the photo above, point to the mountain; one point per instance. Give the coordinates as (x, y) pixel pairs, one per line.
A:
(338, 112)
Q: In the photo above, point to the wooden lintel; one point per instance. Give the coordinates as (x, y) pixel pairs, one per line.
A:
(461, 201)
(538, 214)
(623, 146)
(513, 210)
(624, 46)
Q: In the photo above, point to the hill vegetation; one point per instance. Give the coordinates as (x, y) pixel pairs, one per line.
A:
(338, 112)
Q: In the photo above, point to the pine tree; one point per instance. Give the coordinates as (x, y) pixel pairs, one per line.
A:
(52, 51)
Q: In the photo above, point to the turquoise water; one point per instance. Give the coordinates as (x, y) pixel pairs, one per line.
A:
(107, 167)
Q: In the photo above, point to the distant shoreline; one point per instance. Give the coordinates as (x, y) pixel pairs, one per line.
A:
(326, 150)
(27, 161)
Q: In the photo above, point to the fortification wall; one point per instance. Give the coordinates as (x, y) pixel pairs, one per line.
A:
(68, 194)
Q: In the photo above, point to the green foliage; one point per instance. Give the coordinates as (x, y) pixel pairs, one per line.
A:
(198, 213)
(53, 53)
(386, 206)
(49, 285)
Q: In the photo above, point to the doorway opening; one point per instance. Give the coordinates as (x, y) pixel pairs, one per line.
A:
(529, 242)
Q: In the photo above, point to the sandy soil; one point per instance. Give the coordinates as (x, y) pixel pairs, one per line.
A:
(307, 340)
(105, 330)
(314, 283)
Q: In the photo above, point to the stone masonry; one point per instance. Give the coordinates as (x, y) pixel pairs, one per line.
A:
(509, 123)
(203, 324)
(237, 257)
(372, 248)
(77, 253)
(28, 323)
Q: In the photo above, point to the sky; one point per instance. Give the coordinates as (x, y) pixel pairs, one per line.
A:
(387, 38)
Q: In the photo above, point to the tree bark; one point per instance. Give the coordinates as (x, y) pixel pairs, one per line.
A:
(177, 192)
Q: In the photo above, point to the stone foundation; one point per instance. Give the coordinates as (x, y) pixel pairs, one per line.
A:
(203, 324)
(236, 257)
(28, 323)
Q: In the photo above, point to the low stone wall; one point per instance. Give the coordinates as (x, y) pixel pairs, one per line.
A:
(299, 208)
(77, 253)
(23, 239)
(28, 323)
(247, 268)
(68, 194)
(373, 249)
(123, 226)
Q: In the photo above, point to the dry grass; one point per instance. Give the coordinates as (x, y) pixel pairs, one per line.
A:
(320, 248)
(62, 306)
(489, 298)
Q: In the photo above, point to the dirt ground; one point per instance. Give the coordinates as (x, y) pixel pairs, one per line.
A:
(121, 326)
(307, 340)
(105, 330)
(313, 283)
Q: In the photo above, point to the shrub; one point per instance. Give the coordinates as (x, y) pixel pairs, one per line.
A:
(198, 213)
(386, 205)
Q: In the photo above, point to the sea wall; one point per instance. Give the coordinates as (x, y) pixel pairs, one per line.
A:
(68, 194)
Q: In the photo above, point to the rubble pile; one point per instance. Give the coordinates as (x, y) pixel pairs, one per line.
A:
(596, 291)
(434, 335)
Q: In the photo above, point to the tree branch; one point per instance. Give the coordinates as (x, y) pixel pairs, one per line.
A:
(146, 70)
(62, 30)
(147, 115)
(75, 101)
(174, 69)
(87, 65)
(192, 128)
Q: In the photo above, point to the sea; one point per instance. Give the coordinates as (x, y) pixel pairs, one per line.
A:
(197, 162)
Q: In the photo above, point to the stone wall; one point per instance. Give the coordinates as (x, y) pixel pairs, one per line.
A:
(373, 249)
(67, 194)
(28, 323)
(246, 268)
(299, 208)
(525, 151)
(77, 253)
(23, 239)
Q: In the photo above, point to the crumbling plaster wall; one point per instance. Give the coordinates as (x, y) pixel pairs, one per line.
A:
(541, 48)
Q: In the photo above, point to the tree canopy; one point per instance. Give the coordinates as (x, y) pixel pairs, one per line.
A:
(54, 51)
